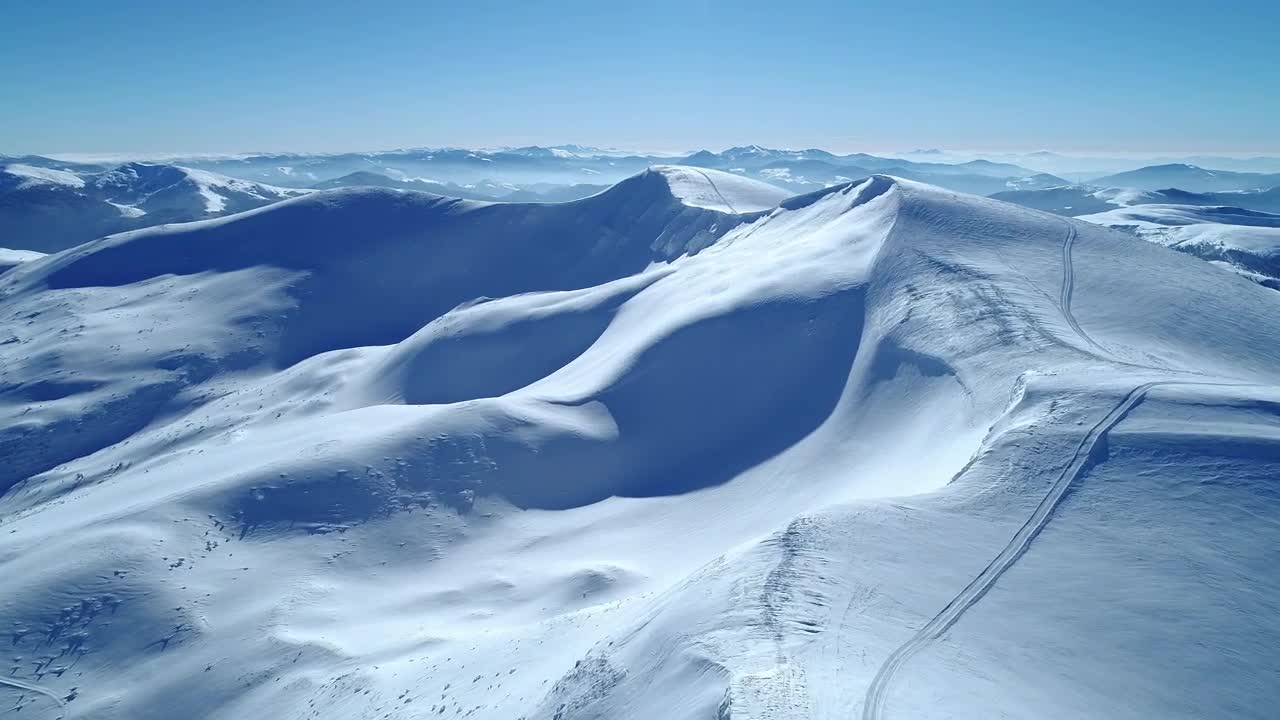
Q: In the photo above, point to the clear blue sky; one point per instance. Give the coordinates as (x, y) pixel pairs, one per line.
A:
(219, 76)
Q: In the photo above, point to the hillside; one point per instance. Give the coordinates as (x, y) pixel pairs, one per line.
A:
(682, 449)
(1077, 200)
(1189, 177)
(535, 192)
(47, 210)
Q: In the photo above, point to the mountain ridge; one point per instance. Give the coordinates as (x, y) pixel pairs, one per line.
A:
(367, 452)
(49, 210)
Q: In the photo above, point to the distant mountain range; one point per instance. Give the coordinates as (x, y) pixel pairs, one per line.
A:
(1089, 167)
(1189, 177)
(48, 204)
(1075, 200)
(819, 168)
(801, 170)
(536, 192)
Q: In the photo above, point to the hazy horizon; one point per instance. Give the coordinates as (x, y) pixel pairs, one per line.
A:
(922, 152)
(670, 76)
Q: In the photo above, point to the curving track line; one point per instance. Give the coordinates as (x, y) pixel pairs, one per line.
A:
(723, 199)
(873, 706)
(32, 687)
(877, 692)
(1068, 288)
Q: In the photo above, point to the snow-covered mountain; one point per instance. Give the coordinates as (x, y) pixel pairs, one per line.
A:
(10, 259)
(534, 192)
(560, 165)
(61, 215)
(1086, 166)
(1232, 229)
(1263, 200)
(800, 170)
(1189, 177)
(173, 190)
(569, 151)
(682, 449)
(47, 209)
(804, 170)
(1076, 200)
(365, 178)
(1246, 241)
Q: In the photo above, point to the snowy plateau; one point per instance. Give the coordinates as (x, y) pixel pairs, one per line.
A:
(689, 447)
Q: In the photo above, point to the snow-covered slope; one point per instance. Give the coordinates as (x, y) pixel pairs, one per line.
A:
(12, 258)
(48, 210)
(25, 177)
(720, 191)
(378, 454)
(170, 189)
(1246, 241)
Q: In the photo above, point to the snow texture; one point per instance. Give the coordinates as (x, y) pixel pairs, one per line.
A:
(678, 450)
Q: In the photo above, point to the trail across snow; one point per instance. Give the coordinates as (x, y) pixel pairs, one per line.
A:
(719, 194)
(877, 693)
(1068, 288)
(32, 687)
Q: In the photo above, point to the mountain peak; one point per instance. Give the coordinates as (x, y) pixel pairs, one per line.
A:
(718, 190)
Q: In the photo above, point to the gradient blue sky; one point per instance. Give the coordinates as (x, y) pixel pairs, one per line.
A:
(224, 76)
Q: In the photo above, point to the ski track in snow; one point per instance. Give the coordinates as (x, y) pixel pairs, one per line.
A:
(723, 199)
(877, 692)
(1068, 288)
(32, 687)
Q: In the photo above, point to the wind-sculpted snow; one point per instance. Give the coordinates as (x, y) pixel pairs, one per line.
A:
(681, 449)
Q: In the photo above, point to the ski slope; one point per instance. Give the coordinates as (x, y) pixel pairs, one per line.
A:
(681, 449)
